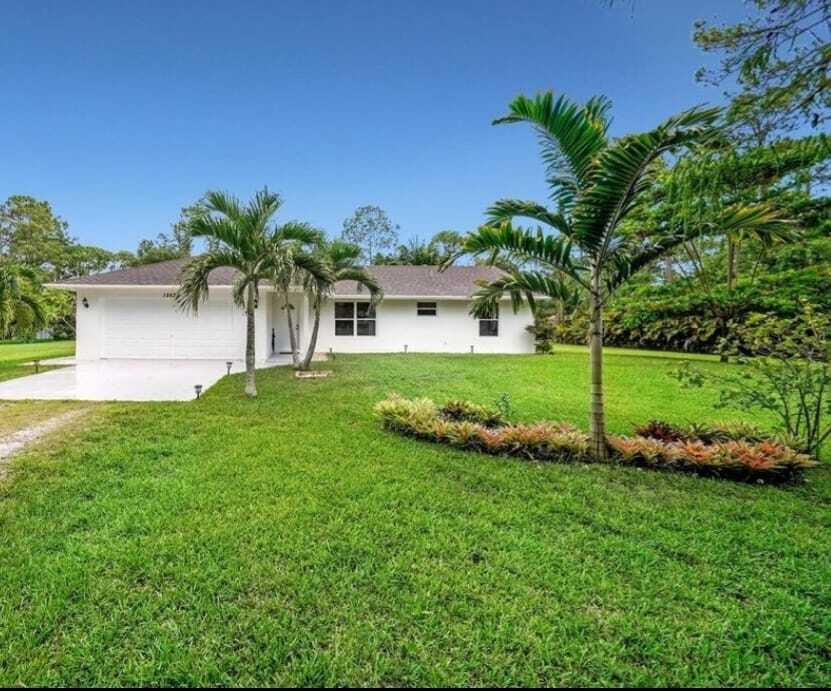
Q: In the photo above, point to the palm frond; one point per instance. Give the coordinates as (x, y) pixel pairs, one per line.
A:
(521, 287)
(296, 231)
(625, 170)
(261, 209)
(221, 229)
(194, 283)
(509, 209)
(225, 204)
(571, 136)
(526, 245)
(342, 253)
(35, 306)
(361, 277)
(314, 266)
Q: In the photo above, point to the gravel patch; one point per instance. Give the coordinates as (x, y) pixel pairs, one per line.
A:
(17, 441)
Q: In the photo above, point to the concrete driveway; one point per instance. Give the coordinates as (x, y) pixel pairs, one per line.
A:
(123, 380)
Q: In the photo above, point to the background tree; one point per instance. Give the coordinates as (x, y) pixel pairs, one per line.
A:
(32, 235)
(340, 261)
(21, 307)
(442, 248)
(177, 244)
(595, 183)
(370, 229)
(781, 60)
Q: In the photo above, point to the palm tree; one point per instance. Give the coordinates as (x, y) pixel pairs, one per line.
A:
(296, 262)
(341, 261)
(21, 307)
(241, 237)
(595, 182)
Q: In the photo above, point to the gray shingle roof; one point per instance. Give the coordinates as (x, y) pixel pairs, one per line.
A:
(161, 274)
(425, 281)
(414, 281)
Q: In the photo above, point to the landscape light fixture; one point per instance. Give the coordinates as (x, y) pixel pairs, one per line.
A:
(198, 389)
(229, 365)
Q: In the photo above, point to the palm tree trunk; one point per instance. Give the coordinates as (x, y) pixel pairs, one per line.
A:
(250, 344)
(732, 260)
(669, 273)
(597, 418)
(307, 361)
(292, 336)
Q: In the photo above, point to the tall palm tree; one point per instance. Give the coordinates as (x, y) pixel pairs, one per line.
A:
(242, 237)
(595, 182)
(296, 262)
(341, 262)
(21, 306)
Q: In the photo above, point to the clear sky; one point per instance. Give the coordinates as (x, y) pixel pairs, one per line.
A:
(119, 113)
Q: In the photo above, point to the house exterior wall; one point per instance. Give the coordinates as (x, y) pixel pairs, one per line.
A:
(145, 323)
(452, 330)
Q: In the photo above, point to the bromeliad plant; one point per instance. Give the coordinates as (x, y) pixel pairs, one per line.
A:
(471, 427)
(596, 183)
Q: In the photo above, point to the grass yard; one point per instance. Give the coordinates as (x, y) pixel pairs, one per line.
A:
(290, 541)
(15, 357)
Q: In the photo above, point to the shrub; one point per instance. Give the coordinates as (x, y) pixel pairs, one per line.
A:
(791, 378)
(736, 452)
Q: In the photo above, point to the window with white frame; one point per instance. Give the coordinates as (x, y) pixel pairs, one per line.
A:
(489, 322)
(354, 318)
(427, 309)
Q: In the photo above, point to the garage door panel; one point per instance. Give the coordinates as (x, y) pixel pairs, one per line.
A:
(155, 328)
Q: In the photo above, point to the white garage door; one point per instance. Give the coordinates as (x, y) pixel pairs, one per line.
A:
(155, 329)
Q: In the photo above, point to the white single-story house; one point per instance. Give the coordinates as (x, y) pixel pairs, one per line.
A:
(132, 314)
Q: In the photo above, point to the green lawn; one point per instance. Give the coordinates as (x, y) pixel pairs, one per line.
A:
(290, 541)
(15, 357)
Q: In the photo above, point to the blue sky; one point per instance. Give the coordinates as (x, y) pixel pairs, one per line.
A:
(119, 113)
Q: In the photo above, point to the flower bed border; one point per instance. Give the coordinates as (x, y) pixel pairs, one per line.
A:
(739, 459)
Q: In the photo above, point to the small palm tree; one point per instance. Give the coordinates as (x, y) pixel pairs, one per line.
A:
(595, 182)
(241, 237)
(341, 262)
(21, 306)
(295, 262)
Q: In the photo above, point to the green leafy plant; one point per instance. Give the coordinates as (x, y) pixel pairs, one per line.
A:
(791, 380)
(504, 405)
(21, 301)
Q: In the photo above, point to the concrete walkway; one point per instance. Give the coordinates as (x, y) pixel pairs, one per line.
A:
(124, 380)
